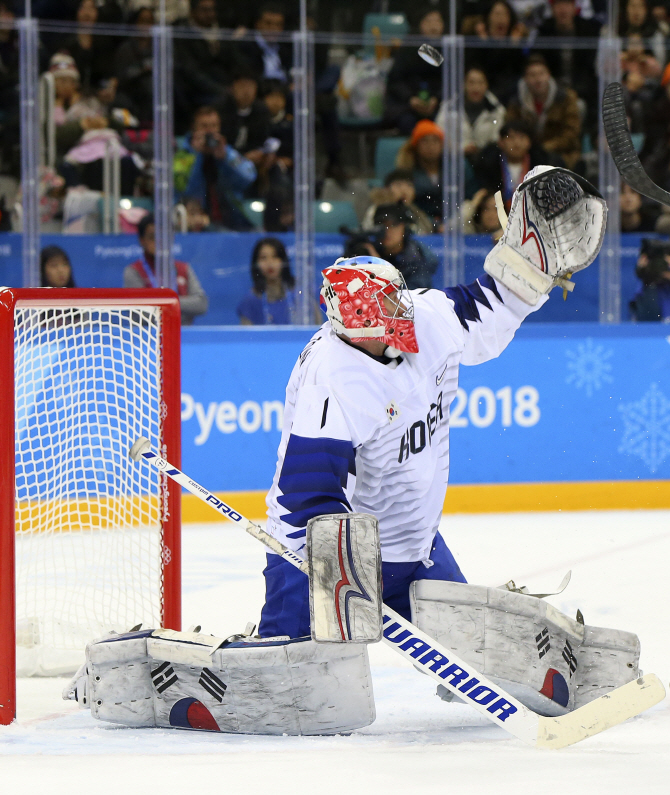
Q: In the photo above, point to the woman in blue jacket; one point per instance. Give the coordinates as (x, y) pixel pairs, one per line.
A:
(271, 301)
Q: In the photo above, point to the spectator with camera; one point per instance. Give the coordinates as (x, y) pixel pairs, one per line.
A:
(652, 302)
(142, 274)
(399, 187)
(395, 243)
(208, 169)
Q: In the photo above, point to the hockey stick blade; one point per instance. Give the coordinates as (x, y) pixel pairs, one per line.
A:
(625, 702)
(621, 146)
(445, 667)
(141, 445)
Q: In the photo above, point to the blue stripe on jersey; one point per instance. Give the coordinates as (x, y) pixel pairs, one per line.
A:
(313, 478)
(467, 296)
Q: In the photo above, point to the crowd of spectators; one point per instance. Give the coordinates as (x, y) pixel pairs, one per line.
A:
(526, 100)
(233, 100)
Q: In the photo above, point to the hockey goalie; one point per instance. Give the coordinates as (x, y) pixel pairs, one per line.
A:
(359, 487)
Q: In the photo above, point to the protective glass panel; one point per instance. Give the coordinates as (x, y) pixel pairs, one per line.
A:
(96, 118)
(234, 164)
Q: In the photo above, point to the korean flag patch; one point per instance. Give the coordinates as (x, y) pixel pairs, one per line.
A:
(392, 411)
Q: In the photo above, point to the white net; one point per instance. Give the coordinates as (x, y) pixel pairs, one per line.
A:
(88, 520)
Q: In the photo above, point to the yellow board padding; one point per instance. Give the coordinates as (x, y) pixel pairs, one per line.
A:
(608, 495)
(102, 513)
(487, 498)
(113, 512)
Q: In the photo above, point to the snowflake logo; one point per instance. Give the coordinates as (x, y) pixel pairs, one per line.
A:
(647, 428)
(589, 366)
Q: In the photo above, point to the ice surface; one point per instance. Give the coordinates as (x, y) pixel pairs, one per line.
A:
(418, 744)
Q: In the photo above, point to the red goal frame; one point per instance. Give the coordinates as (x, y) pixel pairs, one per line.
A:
(10, 298)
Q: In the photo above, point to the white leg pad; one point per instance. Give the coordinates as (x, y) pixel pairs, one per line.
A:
(255, 687)
(551, 663)
(520, 642)
(608, 658)
(119, 685)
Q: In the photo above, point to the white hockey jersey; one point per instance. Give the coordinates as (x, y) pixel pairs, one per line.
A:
(364, 436)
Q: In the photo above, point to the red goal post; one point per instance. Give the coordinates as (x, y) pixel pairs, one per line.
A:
(89, 541)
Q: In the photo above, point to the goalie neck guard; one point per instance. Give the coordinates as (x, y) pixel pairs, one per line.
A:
(367, 298)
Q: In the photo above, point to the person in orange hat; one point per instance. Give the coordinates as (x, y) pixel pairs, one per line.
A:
(422, 155)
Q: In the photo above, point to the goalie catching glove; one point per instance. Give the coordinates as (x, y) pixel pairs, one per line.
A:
(555, 228)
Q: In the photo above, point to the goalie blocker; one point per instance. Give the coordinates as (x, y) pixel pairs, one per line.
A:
(345, 578)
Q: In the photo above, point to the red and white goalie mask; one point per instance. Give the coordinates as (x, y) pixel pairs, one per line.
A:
(367, 298)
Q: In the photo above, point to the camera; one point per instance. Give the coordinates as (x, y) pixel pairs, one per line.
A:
(656, 252)
(210, 141)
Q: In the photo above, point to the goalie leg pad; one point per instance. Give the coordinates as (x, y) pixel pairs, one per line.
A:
(608, 658)
(273, 686)
(551, 663)
(520, 642)
(345, 583)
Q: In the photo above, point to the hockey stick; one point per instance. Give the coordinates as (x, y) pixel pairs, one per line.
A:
(443, 665)
(621, 146)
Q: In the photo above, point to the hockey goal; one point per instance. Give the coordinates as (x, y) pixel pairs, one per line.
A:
(89, 540)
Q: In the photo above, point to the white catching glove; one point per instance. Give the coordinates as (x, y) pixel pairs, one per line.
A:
(555, 228)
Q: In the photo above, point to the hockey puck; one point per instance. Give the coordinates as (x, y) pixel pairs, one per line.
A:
(431, 55)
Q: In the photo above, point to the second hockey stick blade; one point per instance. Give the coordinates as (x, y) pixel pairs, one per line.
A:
(621, 146)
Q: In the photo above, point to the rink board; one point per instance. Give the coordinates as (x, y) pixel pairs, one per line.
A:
(569, 416)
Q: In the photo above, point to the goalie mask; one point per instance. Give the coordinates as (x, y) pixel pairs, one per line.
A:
(367, 298)
(555, 228)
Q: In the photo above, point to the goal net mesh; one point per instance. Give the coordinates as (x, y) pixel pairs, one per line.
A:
(88, 519)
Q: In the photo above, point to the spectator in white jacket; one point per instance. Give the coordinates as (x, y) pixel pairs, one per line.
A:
(483, 117)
